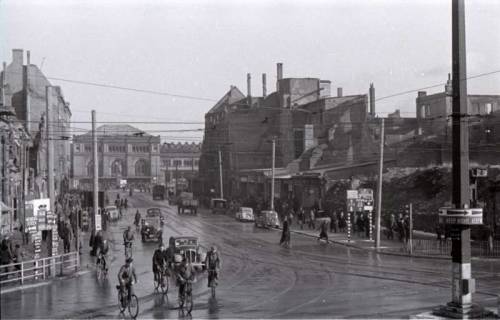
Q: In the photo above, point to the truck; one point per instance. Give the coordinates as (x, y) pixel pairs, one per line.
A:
(187, 202)
(158, 192)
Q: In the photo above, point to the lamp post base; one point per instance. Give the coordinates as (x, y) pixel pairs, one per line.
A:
(456, 311)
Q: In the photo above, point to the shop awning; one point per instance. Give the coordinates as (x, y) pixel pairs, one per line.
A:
(4, 207)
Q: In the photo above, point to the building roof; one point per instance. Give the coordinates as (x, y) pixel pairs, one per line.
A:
(118, 130)
(180, 147)
(233, 95)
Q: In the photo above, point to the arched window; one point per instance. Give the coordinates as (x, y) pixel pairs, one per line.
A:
(117, 168)
(90, 169)
(141, 168)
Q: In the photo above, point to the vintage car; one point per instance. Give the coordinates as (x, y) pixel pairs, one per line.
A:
(190, 249)
(245, 214)
(266, 219)
(219, 206)
(155, 212)
(151, 229)
(113, 213)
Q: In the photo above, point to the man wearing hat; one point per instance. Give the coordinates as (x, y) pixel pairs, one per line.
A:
(127, 276)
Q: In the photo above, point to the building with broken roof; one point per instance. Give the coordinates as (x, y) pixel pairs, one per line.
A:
(123, 152)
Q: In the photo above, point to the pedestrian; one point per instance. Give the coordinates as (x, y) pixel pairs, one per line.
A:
(323, 234)
(5, 255)
(301, 217)
(312, 224)
(290, 216)
(334, 225)
(400, 227)
(391, 226)
(285, 234)
(360, 225)
(342, 222)
(67, 238)
(366, 225)
(17, 256)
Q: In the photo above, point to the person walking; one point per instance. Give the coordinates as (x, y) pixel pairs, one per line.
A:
(301, 217)
(312, 224)
(334, 225)
(323, 234)
(342, 222)
(285, 234)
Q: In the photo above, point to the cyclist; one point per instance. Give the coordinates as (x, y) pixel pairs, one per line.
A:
(137, 218)
(103, 251)
(184, 274)
(213, 264)
(127, 277)
(159, 261)
(128, 238)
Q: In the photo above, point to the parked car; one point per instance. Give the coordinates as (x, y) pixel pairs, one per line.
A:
(151, 229)
(267, 219)
(155, 212)
(219, 206)
(245, 214)
(191, 250)
(113, 213)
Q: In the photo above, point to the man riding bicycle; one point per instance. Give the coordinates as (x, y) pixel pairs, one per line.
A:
(159, 261)
(128, 238)
(213, 264)
(127, 277)
(184, 274)
(103, 251)
(137, 219)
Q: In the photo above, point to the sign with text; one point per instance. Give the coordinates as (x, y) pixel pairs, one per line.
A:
(365, 194)
(31, 224)
(352, 194)
(462, 216)
(40, 205)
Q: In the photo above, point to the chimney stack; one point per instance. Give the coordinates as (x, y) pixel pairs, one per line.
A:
(448, 88)
(264, 88)
(28, 57)
(249, 89)
(372, 99)
(3, 84)
(279, 74)
(17, 56)
(339, 92)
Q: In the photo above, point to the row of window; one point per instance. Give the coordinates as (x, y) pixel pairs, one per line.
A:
(179, 163)
(112, 148)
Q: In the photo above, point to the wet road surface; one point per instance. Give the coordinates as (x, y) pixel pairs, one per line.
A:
(259, 279)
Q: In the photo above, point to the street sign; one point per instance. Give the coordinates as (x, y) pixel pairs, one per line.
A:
(31, 224)
(352, 194)
(368, 208)
(462, 216)
(365, 194)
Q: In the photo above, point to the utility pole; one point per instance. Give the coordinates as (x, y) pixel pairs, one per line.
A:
(411, 229)
(462, 284)
(220, 175)
(272, 172)
(50, 168)
(96, 170)
(379, 188)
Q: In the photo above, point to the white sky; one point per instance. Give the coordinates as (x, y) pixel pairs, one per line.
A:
(200, 48)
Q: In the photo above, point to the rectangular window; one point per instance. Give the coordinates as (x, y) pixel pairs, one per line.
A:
(488, 108)
(77, 147)
(177, 163)
(196, 162)
(188, 163)
(88, 148)
(166, 163)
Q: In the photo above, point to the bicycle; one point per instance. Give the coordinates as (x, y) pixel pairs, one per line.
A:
(124, 302)
(161, 281)
(212, 281)
(102, 272)
(128, 250)
(186, 299)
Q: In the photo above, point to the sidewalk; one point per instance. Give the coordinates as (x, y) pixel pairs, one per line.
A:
(394, 247)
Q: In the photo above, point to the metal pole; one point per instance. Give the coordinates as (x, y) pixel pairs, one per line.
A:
(95, 175)
(50, 166)
(272, 174)
(411, 229)
(379, 189)
(460, 250)
(220, 175)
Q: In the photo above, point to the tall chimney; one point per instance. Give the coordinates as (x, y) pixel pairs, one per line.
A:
(279, 74)
(372, 99)
(249, 89)
(264, 89)
(4, 74)
(339, 92)
(28, 57)
(17, 56)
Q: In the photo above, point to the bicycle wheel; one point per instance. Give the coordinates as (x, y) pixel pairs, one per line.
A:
(99, 271)
(213, 291)
(121, 301)
(156, 282)
(164, 284)
(133, 306)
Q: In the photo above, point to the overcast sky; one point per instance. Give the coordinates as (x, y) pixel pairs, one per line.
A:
(200, 48)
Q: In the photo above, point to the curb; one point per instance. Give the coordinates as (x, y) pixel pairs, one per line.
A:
(347, 244)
